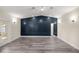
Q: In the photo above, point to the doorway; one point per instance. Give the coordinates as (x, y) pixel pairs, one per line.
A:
(52, 27)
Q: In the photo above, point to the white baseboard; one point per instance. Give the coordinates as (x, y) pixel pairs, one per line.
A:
(4, 43)
(35, 36)
(73, 45)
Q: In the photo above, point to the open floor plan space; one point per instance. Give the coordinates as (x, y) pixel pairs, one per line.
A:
(38, 45)
(39, 29)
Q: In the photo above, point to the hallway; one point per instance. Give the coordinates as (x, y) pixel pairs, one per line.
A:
(38, 45)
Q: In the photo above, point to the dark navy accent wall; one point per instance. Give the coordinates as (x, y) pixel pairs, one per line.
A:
(38, 26)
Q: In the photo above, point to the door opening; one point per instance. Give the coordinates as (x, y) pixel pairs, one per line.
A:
(52, 29)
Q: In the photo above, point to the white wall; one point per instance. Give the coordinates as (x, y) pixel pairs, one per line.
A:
(13, 31)
(68, 31)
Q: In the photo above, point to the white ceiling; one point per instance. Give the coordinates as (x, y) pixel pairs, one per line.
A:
(28, 11)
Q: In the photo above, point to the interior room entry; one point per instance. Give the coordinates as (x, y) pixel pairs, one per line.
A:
(52, 29)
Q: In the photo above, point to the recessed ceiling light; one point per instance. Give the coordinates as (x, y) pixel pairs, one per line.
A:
(42, 9)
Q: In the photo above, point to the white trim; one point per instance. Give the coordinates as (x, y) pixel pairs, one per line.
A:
(70, 44)
(52, 24)
(35, 36)
(8, 42)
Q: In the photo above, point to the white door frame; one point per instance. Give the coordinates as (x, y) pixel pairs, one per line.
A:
(52, 24)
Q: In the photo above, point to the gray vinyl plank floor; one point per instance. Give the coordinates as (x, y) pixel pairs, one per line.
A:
(38, 45)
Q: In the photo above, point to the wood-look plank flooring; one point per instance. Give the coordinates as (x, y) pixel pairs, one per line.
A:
(38, 45)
